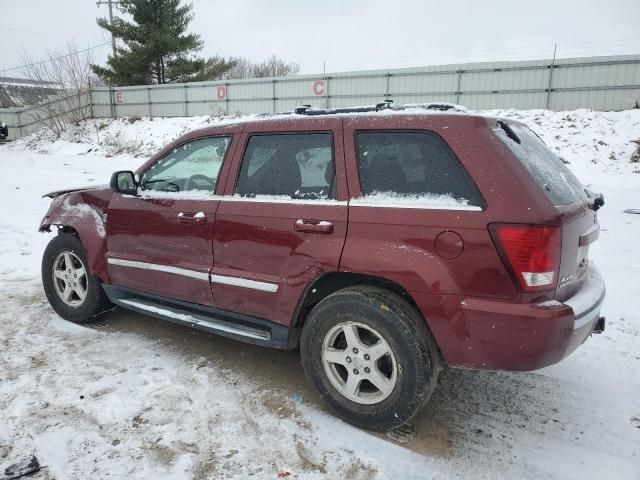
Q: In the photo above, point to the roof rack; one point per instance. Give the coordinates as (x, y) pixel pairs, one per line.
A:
(384, 105)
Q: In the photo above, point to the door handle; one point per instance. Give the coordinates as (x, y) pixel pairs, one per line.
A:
(192, 218)
(313, 226)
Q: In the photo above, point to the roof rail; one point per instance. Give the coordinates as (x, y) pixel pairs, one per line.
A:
(384, 105)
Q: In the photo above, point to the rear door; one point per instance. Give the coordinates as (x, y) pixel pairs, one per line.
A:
(283, 219)
(159, 241)
(580, 225)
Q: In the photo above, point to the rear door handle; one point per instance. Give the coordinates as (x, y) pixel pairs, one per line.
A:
(192, 218)
(313, 226)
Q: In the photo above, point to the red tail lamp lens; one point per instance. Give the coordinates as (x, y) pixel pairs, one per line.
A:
(533, 252)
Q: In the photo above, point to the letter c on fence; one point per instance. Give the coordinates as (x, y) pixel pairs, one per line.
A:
(222, 92)
(318, 87)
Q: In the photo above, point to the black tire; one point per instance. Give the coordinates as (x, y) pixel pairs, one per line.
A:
(95, 301)
(402, 327)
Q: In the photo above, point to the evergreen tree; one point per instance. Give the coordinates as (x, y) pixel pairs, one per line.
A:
(156, 48)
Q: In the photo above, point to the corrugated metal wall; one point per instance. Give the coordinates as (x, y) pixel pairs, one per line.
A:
(599, 83)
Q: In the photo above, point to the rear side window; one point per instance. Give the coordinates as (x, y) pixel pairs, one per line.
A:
(296, 165)
(558, 182)
(413, 167)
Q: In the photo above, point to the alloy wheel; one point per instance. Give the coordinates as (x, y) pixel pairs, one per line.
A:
(359, 363)
(70, 278)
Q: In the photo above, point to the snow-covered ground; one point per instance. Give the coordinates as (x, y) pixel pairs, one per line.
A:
(132, 397)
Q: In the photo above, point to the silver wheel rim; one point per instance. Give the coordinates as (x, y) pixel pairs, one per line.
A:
(359, 363)
(70, 278)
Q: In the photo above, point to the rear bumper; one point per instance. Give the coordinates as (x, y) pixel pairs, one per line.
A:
(507, 336)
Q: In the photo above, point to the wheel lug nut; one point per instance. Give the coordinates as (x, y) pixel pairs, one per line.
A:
(355, 350)
(355, 370)
(367, 370)
(366, 356)
(348, 359)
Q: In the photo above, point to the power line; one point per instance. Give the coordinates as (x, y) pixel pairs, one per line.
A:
(52, 59)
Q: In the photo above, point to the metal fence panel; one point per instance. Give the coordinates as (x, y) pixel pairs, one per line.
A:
(421, 84)
(244, 106)
(351, 88)
(596, 99)
(501, 80)
(521, 101)
(421, 98)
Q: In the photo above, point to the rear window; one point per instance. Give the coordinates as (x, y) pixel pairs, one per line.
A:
(415, 167)
(558, 182)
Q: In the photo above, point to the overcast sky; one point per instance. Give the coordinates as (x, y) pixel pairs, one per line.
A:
(351, 34)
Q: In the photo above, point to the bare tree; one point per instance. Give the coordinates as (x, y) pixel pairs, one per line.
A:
(67, 74)
(275, 67)
(241, 67)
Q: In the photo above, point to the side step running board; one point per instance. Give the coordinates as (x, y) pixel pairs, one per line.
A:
(208, 319)
(193, 320)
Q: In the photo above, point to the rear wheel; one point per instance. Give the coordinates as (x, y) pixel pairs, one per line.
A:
(371, 357)
(73, 292)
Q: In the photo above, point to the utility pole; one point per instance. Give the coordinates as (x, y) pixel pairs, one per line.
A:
(551, 67)
(110, 4)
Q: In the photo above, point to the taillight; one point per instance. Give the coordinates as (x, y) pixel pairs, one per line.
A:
(533, 253)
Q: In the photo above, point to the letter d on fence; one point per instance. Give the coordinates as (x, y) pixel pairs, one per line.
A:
(221, 92)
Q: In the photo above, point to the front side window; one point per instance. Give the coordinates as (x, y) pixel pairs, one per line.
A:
(298, 166)
(192, 166)
(414, 168)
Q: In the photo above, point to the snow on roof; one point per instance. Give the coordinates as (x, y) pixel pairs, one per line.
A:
(20, 92)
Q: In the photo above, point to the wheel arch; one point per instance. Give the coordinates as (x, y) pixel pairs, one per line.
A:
(331, 282)
(94, 247)
(82, 216)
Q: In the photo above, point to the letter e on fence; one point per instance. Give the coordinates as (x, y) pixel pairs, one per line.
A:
(221, 92)
(318, 87)
(119, 96)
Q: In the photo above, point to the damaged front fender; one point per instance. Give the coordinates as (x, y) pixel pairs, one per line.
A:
(83, 212)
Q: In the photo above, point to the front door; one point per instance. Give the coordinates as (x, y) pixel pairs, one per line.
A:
(159, 241)
(283, 219)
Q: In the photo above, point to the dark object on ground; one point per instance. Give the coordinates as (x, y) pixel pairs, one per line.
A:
(4, 131)
(20, 469)
(635, 211)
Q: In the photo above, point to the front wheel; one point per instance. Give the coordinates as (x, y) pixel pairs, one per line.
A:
(371, 357)
(73, 292)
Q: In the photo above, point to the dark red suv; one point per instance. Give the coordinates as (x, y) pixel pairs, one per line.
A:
(385, 242)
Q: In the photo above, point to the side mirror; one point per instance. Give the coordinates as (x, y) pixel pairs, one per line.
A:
(124, 182)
